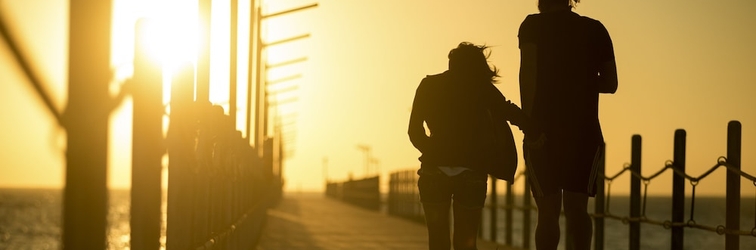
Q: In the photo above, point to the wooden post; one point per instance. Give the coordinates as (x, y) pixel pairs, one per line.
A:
(147, 146)
(635, 193)
(181, 146)
(599, 203)
(85, 198)
(201, 175)
(678, 190)
(732, 220)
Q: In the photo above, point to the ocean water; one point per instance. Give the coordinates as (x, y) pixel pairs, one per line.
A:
(709, 211)
(31, 219)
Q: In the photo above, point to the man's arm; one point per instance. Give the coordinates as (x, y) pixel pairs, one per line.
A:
(608, 77)
(528, 76)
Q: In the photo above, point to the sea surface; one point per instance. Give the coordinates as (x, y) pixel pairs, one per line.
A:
(31, 219)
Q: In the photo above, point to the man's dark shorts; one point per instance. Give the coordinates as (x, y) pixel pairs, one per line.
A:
(467, 189)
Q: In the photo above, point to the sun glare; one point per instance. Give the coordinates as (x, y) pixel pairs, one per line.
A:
(172, 41)
(169, 33)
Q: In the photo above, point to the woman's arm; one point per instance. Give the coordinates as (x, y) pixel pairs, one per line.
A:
(416, 129)
(509, 111)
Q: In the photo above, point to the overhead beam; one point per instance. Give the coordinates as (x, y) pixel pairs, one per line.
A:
(290, 39)
(284, 63)
(29, 71)
(283, 102)
(282, 90)
(280, 80)
(289, 11)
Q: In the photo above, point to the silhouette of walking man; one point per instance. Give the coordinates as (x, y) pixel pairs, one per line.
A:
(459, 107)
(566, 61)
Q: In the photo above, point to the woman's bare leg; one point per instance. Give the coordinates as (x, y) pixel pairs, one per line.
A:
(466, 225)
(437, 221)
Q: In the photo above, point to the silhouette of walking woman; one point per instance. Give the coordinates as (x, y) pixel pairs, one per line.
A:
(566, 61)
(458, 107)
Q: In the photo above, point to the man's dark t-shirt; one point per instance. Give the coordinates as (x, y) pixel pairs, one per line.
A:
(570, 50)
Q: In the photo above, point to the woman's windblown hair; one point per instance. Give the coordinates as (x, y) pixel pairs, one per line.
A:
(545, 4)
(470, 60)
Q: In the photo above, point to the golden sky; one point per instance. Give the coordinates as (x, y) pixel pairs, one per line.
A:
(680, 65)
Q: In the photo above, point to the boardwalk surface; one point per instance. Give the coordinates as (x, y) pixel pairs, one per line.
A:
(312, 221)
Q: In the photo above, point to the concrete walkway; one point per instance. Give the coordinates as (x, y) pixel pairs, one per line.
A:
(312, 221)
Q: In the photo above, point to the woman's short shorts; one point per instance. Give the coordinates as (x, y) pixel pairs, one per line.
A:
(467, 189)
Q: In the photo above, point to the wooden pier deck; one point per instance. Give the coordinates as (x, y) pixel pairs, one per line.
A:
(313, 221)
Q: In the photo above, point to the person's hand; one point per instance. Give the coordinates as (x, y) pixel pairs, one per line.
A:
(536, 143)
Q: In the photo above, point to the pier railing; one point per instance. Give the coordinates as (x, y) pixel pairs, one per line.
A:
(217, 185)
(362, 192)
(405, 201)
(403, 196)
(732, 163)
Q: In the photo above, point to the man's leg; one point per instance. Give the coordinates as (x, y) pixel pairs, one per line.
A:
(466, 224)
(547, 230)
(579, 224)
(437, 221)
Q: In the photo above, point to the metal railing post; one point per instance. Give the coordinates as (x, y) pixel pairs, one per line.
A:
(733, 185)
(635, 194)
(494, 207)
(678, 190)
(526, 197)
(508, 215)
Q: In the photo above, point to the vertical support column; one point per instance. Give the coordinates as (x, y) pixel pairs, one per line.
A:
(635, 193)
(678, 190)
(251, 72)
(85, 198)
(259, 88)
(732, 216)
(599, 202)
(232, 98)
(203, 62)
(494, 208)
(526, 202)
(180, 149)
(147, 146)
